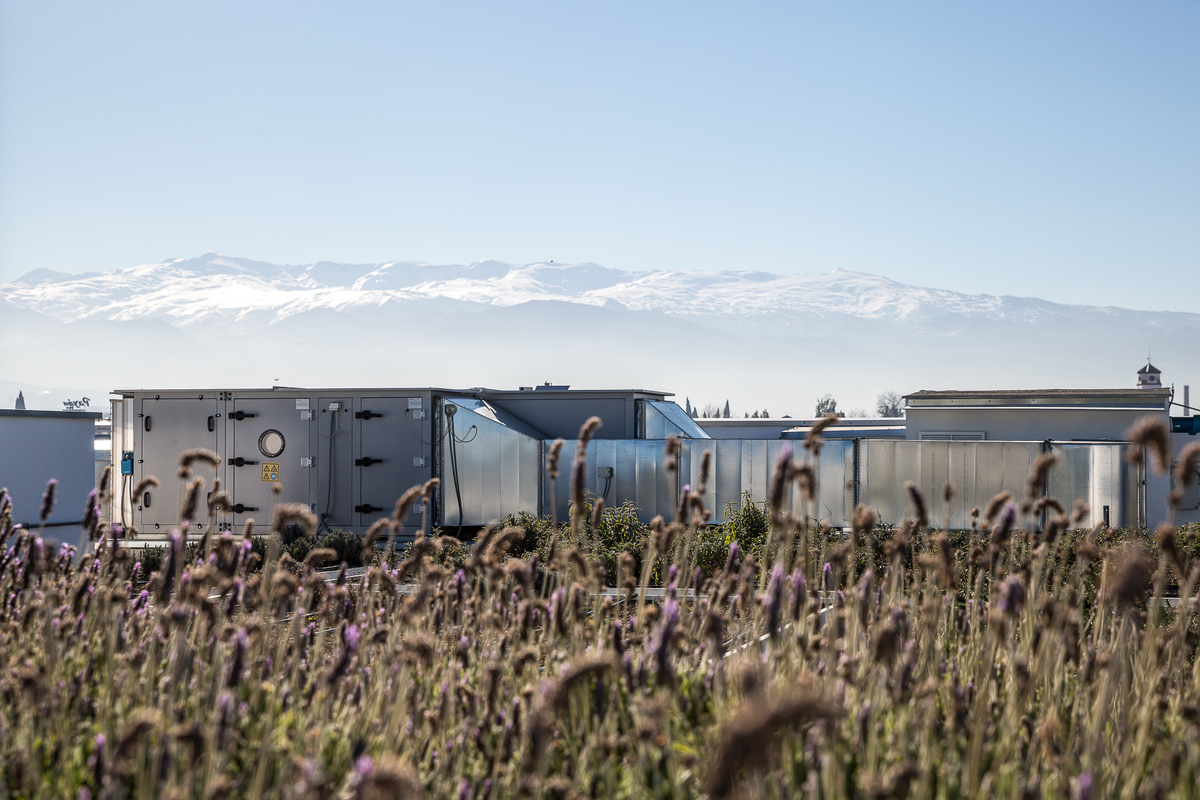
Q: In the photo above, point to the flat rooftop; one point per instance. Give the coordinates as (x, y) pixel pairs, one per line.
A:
(33, 412)
(540, 391)
(1108, 398)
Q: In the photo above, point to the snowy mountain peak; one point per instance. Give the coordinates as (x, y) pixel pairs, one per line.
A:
(216, 287)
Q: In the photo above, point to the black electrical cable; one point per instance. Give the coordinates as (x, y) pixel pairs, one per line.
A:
(329, 490)
(124, 490)
(607, 486)
(454, 473)
(415, 434)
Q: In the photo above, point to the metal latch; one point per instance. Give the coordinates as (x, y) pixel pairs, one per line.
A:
(419, 461)
(367, 461)
(308, 461)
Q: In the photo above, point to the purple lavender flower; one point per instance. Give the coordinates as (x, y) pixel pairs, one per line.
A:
(732, 560)
(1083, 786)
(48, 499)
(663, 635)
(774, 600)
(1012, 596)
(799, 593)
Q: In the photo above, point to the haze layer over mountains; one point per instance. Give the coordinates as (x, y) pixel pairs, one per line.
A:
(755, 338)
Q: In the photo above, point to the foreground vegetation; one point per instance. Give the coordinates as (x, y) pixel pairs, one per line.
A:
(1020, 659)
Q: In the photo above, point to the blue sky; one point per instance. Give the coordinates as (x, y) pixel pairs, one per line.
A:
(1007, 148)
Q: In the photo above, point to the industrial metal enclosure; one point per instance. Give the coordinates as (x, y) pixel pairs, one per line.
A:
(350, 453)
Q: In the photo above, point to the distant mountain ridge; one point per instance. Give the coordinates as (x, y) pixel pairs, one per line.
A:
(216, 288)
(752, 337)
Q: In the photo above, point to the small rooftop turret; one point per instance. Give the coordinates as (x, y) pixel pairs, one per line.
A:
(1148, 377)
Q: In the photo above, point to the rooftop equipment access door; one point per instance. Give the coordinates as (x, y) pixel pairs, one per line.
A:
(391, 454)
(167, 427)
(334, 491)
(270, 445)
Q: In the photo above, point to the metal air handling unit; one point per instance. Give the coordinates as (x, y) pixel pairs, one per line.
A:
(350, 453)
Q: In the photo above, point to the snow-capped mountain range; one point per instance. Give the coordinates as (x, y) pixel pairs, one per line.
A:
(755, 337)
(217, 287)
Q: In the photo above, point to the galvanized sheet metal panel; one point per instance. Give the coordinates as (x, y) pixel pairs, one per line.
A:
(640, 475)
(1092, 473)
(498, 470)
(981, 470)
(748, 466)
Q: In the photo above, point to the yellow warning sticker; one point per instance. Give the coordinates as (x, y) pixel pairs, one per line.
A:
(270, 471)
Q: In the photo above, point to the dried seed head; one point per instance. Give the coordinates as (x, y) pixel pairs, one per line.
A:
(141, 723)
(863, 521)
(219, 501)
(552, 459)
(745, 742)
(199, 454)
(372, 536)
(995, 505)
(806, 478)
(948, 492)
(102, 486)
(191, 499)
(1039, 473)
(294, 514)
(499, 544)
(430, 485)
(1187, 469)
(389, 779)
(579, 670)
(1150, 433)
(812, 440)
(597, 513)
(400, 512)
(588, 429)
(779, 479)
(319, 556)
(578, 491)
(705, 469)
(918, 503)
(1170, 548)
(1131, 580)
(1048, 503)
(946, 562)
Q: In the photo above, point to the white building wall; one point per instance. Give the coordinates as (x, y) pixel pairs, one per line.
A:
(1028, 423)
(37, 446)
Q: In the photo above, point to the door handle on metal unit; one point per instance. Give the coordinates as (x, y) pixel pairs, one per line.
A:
(242, 462)
(241, 415)
(146, 423)
(212, 424)
(366, 509)
(238, 508)
(367, 415)
(146, 500)
(367, 461)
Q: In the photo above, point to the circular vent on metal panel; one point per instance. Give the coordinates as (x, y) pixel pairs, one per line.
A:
(271, 443)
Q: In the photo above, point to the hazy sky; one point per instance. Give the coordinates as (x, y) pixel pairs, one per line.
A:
(1048, 149)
